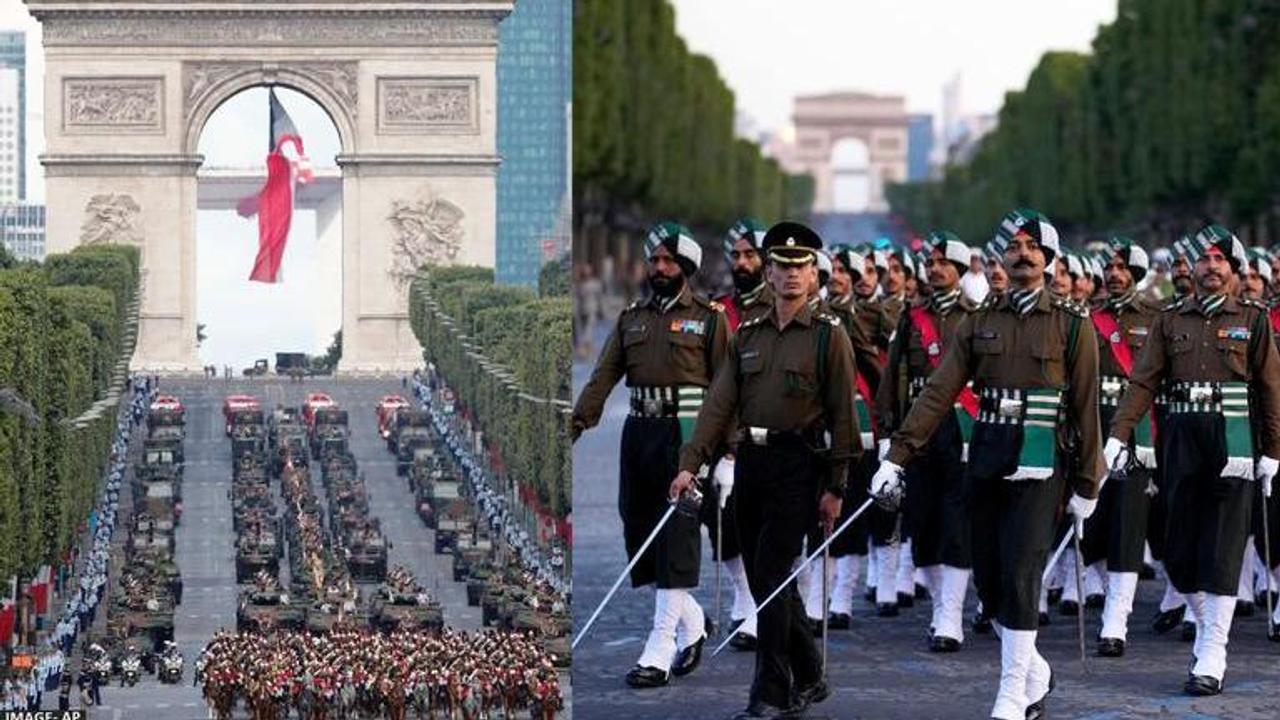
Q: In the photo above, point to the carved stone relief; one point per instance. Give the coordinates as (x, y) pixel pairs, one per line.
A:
(113, 104)
(342, 78)
(111, 218)
(428, 105)
(427, 231)
(206, 29)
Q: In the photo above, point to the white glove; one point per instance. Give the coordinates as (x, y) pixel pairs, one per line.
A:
(723, 478)
(882, 448)
(1265, 471)
(1115, 454)
(1080, 509)
(887, 480)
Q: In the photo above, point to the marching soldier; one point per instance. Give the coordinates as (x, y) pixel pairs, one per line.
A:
(997, 276)
(1117, 531)
(1216, 357)
(835, 280)
(934, 506)
(1034, 363)
(751, 298)
(668, 348)
(787, 384)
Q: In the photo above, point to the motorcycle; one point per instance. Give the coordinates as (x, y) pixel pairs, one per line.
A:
(130, 670)
(171, 669)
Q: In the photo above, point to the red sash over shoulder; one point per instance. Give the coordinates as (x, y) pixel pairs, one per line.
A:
(923, 321)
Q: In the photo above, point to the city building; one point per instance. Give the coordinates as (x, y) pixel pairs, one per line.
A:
(534, 92)
(13, 113)
(919, 147)
(22, 229)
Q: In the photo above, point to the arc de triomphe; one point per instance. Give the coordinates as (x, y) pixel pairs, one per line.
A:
(411, 87)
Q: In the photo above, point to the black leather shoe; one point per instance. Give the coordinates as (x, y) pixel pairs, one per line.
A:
(687, 659)
(759, 710)
(1188, 631)
(647, 677)
(1095, 601)
(981, 624)
(1147, 572)
(943, 644)
(743, 642)
(1110, 647)
(1201, 685)
(1273, 632)
(922, 592)
(906, 600)
(1261, 599)
(813, 694)
(1044, 619)
(1055, 596)
(1167, 620)
(839, 621)
(1244, 609)
(816, 627)
(887, 610)
(1069, 608)
(870, 594)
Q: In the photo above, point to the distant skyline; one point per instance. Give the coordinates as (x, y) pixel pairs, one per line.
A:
(768, 52)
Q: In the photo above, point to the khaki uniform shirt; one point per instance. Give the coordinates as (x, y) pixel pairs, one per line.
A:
(866, 357)
(752, 305)
(875, 322)
(909, 358)
(1135, 321)
(997, 347)
(1235, 345)
(657, 346)
(770, 380)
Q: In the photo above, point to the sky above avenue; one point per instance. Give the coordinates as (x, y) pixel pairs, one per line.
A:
(770, 51)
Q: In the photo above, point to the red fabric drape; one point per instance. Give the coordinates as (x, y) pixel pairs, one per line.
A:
(275, 214)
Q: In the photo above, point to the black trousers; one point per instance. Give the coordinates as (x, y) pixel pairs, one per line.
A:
(1156, 520)
(1207, 515)
(934, 512)
(710, 517)
(650, 461)
(853, 541)
(1012, 526)
(1273, 528)
(776, 499)
(1118, 527)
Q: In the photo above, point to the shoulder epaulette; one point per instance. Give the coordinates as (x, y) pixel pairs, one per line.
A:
(1173, 305)
(752, 322)
(828, 318)
(1071, 306)
(988, 302)
(1250, 302)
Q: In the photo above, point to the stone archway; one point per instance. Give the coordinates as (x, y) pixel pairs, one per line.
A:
(410, 85)
(822, 121)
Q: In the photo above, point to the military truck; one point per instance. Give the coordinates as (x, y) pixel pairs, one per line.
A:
(263, 609)
(405, 417)
(442, 492)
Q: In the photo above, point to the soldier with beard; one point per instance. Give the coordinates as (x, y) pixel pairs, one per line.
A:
(751, 297)
(1033, 362)
(668, 348)
(1116, 533)
(1215, 358)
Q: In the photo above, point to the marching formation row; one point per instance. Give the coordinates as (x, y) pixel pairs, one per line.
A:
(954, 414)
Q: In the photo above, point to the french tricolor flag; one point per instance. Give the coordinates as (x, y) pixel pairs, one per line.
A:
(274, 202)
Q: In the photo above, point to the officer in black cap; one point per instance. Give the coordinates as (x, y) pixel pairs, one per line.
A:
(786, 383)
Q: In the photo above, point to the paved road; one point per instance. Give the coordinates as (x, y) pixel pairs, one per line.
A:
(881, 668)
(205, 540)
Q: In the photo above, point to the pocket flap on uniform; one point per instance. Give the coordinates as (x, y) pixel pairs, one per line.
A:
(749, 361)
(633, 334)
(685, 339)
